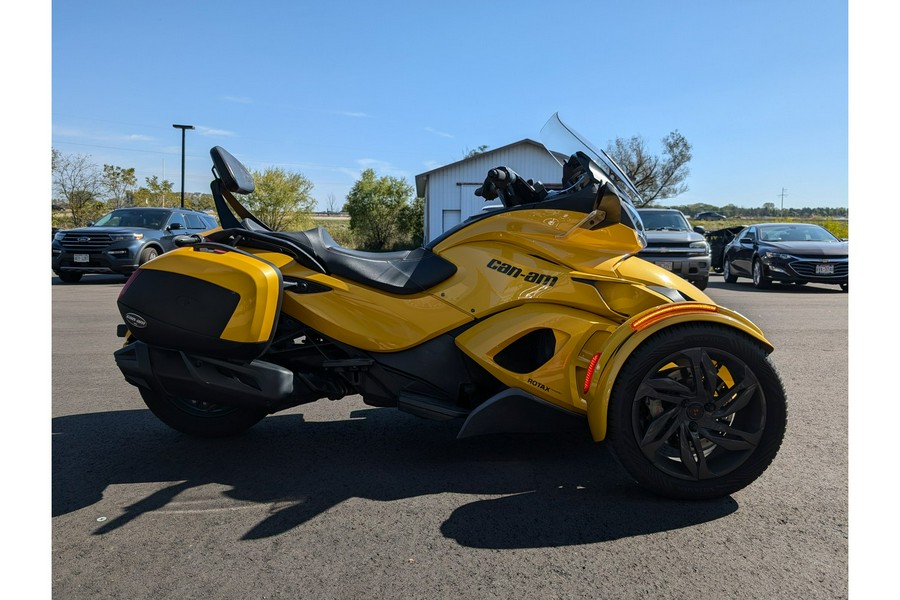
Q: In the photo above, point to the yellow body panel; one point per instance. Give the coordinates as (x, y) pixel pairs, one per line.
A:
(369, 319)
(257, 284)
(589, 293)
(553, 381)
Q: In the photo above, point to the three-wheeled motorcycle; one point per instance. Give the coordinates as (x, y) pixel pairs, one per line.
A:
(532, 317)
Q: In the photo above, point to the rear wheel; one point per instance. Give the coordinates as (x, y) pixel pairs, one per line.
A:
(760, 281)
(701, 284)
(199, 418)
(697, 412)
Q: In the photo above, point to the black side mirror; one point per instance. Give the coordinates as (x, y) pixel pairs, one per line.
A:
(700, 230)
(175, 226)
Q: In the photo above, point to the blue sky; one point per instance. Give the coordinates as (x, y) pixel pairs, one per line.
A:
(759, 88)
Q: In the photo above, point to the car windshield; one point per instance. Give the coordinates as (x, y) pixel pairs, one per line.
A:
(795, 233)
(150, 219)
(664, 221)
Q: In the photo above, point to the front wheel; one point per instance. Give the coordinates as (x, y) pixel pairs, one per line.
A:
(199, 418)
(69, 277)
(147, 254)
(760, 281)
(701, 284)
(697, 412)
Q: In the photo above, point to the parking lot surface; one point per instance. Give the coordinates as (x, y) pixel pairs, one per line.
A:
(341, 500)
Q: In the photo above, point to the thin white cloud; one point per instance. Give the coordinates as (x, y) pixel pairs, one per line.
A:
(209, 131)
(434, 131)
(238, 99)
(355, 115)
(137, 137)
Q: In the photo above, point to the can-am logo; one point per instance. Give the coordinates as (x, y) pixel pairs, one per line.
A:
(516, 272)
(136, 320)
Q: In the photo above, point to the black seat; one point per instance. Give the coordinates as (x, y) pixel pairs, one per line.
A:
(405, 272)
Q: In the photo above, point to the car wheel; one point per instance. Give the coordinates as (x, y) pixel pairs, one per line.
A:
(148, 254)
(701, 284)
(727, 273)
(760, 281)
(69, 277)
(698, 411)
(199, 418)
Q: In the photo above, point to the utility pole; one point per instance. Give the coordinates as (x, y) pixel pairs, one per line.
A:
(182, 128)
(782, 194)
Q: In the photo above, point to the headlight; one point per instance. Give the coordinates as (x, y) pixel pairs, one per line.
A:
(59, 235)
(702, 245)
(777, 255)
(118, 237)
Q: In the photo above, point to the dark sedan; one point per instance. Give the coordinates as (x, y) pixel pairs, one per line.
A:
(796, 253)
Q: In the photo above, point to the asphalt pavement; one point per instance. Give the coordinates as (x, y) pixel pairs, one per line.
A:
(337, 499)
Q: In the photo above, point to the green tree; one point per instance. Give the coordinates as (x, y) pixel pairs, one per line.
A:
(118, 183)
(479, 150)
(412, 223)
(281, 200)
(656, 177)
(77, 184)
(376, 206)
(155, 193)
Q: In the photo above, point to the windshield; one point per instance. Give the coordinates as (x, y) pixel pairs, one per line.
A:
(664, 221)
(562, 141)
(795, 233)
(151, 219)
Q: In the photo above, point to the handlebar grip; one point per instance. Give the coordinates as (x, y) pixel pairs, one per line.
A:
(497, 174)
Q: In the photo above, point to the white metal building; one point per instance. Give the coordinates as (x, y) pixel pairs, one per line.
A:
(449, 191)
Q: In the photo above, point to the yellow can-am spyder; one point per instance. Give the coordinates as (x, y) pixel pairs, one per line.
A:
(529, 317)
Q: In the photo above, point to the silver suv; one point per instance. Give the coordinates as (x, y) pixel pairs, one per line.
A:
(673, 245)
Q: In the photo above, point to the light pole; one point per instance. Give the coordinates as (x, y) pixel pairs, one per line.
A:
(182, 128)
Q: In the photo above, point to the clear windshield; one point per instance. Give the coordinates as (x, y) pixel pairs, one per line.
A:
(562, 141)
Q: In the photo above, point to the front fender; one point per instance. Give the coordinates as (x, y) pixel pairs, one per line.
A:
(635, 331)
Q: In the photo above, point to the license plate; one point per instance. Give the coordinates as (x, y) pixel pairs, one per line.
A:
(825, 269)
(666, 265)
(82, 258)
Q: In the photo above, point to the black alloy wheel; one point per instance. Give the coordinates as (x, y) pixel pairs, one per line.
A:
(201, 418)
(697, 412)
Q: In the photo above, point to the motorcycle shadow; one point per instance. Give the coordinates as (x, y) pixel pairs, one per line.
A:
(551, 489)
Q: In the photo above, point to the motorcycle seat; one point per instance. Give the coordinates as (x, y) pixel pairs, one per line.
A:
(405, 272)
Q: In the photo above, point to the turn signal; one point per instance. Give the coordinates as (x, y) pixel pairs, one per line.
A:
(670, 311)
(590, 372)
